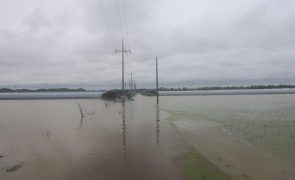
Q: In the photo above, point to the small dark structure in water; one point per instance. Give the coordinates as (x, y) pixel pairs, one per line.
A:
(149, 93)
(112, 95)
(117, 95)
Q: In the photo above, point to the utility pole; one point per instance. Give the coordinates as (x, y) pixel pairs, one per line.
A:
(130, 85)
(157, 81)
(134, 85)
(123, 51)
(131, 82)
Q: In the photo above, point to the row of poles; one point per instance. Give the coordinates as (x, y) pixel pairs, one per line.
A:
(125, 51)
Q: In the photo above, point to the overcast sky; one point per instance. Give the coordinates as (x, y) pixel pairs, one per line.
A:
(198, 42)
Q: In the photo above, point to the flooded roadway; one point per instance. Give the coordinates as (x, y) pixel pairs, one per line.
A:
(48, 139)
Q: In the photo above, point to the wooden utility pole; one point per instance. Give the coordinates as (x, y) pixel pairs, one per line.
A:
(157, 81)
(123, 51)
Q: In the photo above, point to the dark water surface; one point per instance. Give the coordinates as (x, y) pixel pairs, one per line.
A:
(48, 139)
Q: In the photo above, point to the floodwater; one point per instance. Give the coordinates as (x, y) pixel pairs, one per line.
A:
(50, 95)
(244, 136)
(48, 139)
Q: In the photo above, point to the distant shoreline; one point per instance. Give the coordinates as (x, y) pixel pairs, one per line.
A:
(50, 95)
(7, 90)
(250, 87)
(97, 94)
(228, 92)
(230, 87)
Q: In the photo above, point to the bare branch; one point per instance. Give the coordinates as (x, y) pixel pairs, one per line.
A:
(81, 110)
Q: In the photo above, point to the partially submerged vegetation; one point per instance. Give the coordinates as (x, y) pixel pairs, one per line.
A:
(271, 129)
(14, 167)
(81, 110)
(239, 135)
(196, 167)
(118, 95)
(149, 93)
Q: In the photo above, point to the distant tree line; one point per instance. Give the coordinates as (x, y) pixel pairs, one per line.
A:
(247, 87)
(229, 87)
(7, 90)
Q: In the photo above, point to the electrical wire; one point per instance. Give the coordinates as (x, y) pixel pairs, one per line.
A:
(126, 23)
(120, 17)
(100, 3)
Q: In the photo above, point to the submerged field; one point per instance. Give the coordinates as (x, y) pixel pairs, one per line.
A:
(195, 137)
(248, 136)
(49, 139)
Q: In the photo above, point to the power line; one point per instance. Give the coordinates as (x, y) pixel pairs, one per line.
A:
(123, 51)
(120, 17)
(126, 23)
(126, 26)
(107, 23)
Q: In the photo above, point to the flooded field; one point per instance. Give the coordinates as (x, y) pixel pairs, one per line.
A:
(48, 139)
(184, 137)
(247, 136)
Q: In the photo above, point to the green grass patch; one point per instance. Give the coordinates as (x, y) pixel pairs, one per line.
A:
(196, 167)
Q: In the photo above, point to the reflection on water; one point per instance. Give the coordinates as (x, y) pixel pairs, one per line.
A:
(43, 135)
(157, 125)
(124, 128)
(81, 122)
(102, 148)
(82, 113)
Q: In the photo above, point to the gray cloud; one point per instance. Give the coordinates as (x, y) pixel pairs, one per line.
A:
(198, 42)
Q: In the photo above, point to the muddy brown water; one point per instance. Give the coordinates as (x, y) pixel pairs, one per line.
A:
(47, 139)
(246, 136)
